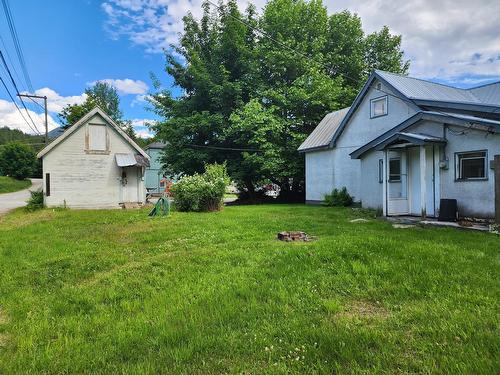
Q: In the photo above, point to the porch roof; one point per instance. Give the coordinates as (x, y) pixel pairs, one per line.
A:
(471, 122)
(409, 139)
(131, 160)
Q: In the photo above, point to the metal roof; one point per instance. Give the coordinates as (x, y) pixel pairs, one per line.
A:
(323, 133)
(414, 88)
(131, 160)
(489, 94)
(156, 145)
(408, 138)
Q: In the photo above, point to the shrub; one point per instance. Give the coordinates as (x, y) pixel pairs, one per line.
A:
(17, 160)
(338, 198)
(201, 192)
(36, 200)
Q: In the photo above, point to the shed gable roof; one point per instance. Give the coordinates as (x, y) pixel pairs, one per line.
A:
(322, 135)
(84, 120)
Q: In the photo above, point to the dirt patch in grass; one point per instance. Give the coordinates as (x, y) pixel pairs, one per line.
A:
(3, 317)
(364, 310)
(4, 340)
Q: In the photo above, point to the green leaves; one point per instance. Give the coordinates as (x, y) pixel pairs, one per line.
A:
(17, 160)
(247, 89)
(101, 95)
(201, 192)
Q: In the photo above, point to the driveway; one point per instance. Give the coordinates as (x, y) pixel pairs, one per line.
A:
(9, 201)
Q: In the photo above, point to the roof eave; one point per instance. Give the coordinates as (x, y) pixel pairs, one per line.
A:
(312, 149)
(479, 107)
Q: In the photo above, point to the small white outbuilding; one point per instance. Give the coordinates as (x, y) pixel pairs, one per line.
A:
(93, 164)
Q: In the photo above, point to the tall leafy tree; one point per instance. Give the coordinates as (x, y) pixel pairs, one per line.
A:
(253, 87)
(101, 94)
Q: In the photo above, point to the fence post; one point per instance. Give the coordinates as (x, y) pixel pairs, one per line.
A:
(496, 169)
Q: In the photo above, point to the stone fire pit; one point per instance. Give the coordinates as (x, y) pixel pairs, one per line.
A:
(294, 236)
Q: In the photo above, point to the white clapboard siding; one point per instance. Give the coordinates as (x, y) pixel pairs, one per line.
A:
(81, 179)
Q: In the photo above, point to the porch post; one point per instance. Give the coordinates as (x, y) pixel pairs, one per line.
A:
(384, 184)
(423, 182)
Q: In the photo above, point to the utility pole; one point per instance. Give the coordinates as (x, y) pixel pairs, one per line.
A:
(45, 107)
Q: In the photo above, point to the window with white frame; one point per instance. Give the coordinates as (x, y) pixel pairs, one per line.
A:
(395, 170)
(471, 165)
(378, 107)
(97, 137)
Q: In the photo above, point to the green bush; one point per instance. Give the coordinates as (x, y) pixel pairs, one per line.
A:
(36, 200)
(201, 192)
(338, 198)
(17, 160)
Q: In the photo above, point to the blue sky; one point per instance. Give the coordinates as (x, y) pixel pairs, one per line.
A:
(69, 44)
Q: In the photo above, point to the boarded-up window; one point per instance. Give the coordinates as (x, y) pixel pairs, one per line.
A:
(97, 137)
(47, 184)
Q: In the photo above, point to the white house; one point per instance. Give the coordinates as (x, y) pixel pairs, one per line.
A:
(93, 164)
(405, 144)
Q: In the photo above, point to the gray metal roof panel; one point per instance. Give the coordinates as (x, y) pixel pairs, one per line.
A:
(323, 133)
(489, 94)
(415, 88)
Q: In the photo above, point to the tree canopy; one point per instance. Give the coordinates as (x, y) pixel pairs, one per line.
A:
(17, 160)
(255, 86)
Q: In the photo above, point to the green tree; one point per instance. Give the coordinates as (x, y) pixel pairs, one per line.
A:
(17, 160)
(101, 95)
(250, 98)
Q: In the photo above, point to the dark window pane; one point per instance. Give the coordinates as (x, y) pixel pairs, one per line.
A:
(394, 169)
(473, 168)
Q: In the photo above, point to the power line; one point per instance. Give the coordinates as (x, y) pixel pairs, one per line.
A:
(10, 61)
(19, 109)
(17, 91)
(17, 45)
(223, 148)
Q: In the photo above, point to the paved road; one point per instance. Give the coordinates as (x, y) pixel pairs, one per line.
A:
(9, 201)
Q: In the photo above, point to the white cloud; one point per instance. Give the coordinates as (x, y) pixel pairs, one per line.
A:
(11, 118)
(140, 100)
(56, 102)
(141, 127)
(441, 37)
(125, 86)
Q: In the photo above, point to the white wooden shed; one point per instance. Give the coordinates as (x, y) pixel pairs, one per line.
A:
(93, 164)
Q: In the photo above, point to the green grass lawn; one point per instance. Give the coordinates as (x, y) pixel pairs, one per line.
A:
(9, 184)
(210, 293)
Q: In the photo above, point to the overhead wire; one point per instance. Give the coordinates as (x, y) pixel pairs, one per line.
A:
(19, 109)
(17, 90)
(17, 44)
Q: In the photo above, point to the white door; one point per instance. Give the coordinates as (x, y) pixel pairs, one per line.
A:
(414, 182)
(130, 187)
(397, 183)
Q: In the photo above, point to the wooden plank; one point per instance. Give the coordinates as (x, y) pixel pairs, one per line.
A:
(497, 188)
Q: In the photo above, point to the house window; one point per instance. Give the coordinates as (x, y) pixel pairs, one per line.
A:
(378, 107)
(381, 170)
(47, 184)
(395, 170)
(97, 137)
(471, 165)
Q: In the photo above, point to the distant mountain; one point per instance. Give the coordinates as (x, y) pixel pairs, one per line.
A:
(54, 133)
(9, 135)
